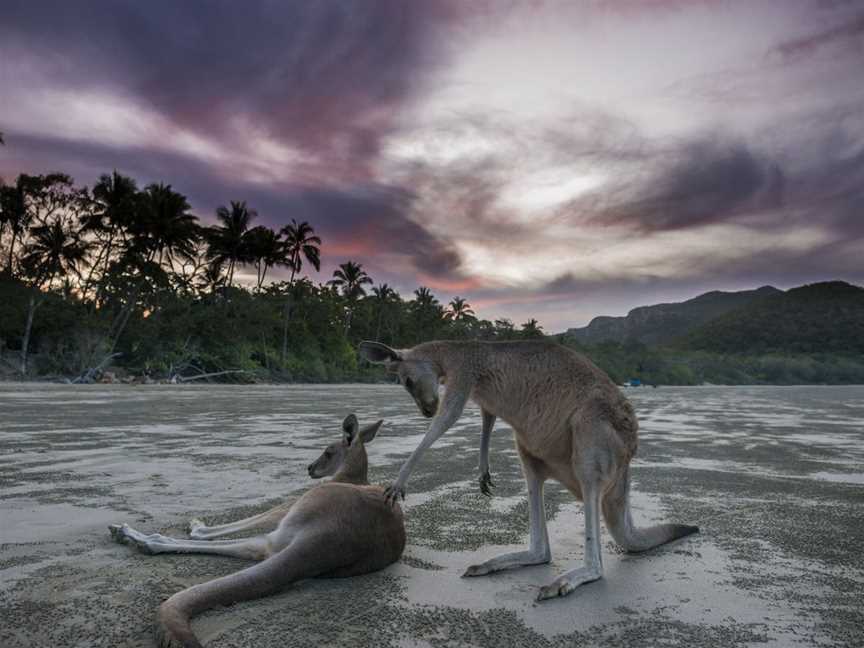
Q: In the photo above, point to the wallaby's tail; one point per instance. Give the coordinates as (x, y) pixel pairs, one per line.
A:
(295, 562)
(616, 511)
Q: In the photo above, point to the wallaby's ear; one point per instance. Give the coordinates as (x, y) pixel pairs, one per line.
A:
(350, 427)
(378, 353)
(368, 433)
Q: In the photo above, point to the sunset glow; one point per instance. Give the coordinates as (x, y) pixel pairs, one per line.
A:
(571, 158)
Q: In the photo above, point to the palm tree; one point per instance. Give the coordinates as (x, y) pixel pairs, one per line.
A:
(54, 250)
(164, 227)
(301, 242)
(266, 249)
(531, 329)
(504, 328)
(459, 309)
(349, 279)
(116, 198)
(161, 229)
(14, 214)
(383, 295)
(227, 242)
(424, 298)
(426, 308)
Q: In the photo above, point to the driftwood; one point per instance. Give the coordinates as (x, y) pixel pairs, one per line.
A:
(89, 376)
(182, 379)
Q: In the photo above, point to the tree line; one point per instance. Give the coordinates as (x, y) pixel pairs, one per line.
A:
(129, 277)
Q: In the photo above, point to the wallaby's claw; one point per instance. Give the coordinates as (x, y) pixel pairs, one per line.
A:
(392, 494)
(116, 532)
(486, 484)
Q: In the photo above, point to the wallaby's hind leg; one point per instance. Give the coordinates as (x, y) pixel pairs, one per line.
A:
(268, 519)
(538, 551)
(593, 561)
(596, 454)
(257, 548)
(619, 521)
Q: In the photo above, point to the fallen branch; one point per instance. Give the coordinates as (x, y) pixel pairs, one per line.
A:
(207, 375)
(90, 375)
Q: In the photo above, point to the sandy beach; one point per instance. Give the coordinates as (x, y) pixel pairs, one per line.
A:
(774, 477)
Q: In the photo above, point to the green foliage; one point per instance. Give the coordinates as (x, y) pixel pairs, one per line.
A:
(132, 273)
(664, 366)
(818, 318)
(87, 276)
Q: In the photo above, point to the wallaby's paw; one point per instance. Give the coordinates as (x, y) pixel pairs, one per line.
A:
(555, 590)
(116, 532)
(477, 570)
(124, 534)
(566, 583)
(486, 484)
(196, 529)
(393, 492)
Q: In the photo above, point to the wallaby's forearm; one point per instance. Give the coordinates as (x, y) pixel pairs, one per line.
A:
(455, 398)
(485, 437)
(266, 520)
(485, 479)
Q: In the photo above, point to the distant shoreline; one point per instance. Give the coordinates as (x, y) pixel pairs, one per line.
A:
(273, 383)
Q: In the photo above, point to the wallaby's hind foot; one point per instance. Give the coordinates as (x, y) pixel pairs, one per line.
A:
(193, 526)
(507, 561)
(568, 582)
(124, 534)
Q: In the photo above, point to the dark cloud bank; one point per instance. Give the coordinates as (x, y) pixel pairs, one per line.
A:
(331, 79)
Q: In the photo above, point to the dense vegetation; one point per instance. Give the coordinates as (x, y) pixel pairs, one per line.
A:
(128, 279)
(806, 335)
(823, 318)
(663, 324)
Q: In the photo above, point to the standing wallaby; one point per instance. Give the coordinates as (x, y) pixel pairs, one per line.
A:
(343, 527)
(571, 423)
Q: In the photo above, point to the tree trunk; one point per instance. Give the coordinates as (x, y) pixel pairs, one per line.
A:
(288, 304)
(125, 314)
(378, 328)
(11, 253)
(286, 320)
(25, 343)
(183, 379)
(348, 316)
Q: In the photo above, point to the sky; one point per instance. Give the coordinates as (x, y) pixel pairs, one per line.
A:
(555, 160)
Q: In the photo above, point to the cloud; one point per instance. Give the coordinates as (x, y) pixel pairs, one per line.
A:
(326, 77)
(703, 181)
(558, 157)
(847, 35)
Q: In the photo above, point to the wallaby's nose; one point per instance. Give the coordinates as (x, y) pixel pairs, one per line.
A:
(311, 469)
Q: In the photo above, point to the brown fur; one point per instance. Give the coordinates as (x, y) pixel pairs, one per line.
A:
(342, 528)
(571, 423)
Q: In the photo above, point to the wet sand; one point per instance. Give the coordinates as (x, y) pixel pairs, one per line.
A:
(774, 476)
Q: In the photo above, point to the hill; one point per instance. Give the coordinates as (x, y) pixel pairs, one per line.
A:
(825, 318)
(663, 323)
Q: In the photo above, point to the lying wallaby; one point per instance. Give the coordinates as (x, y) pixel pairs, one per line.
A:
(571, 423)
(343, 527)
